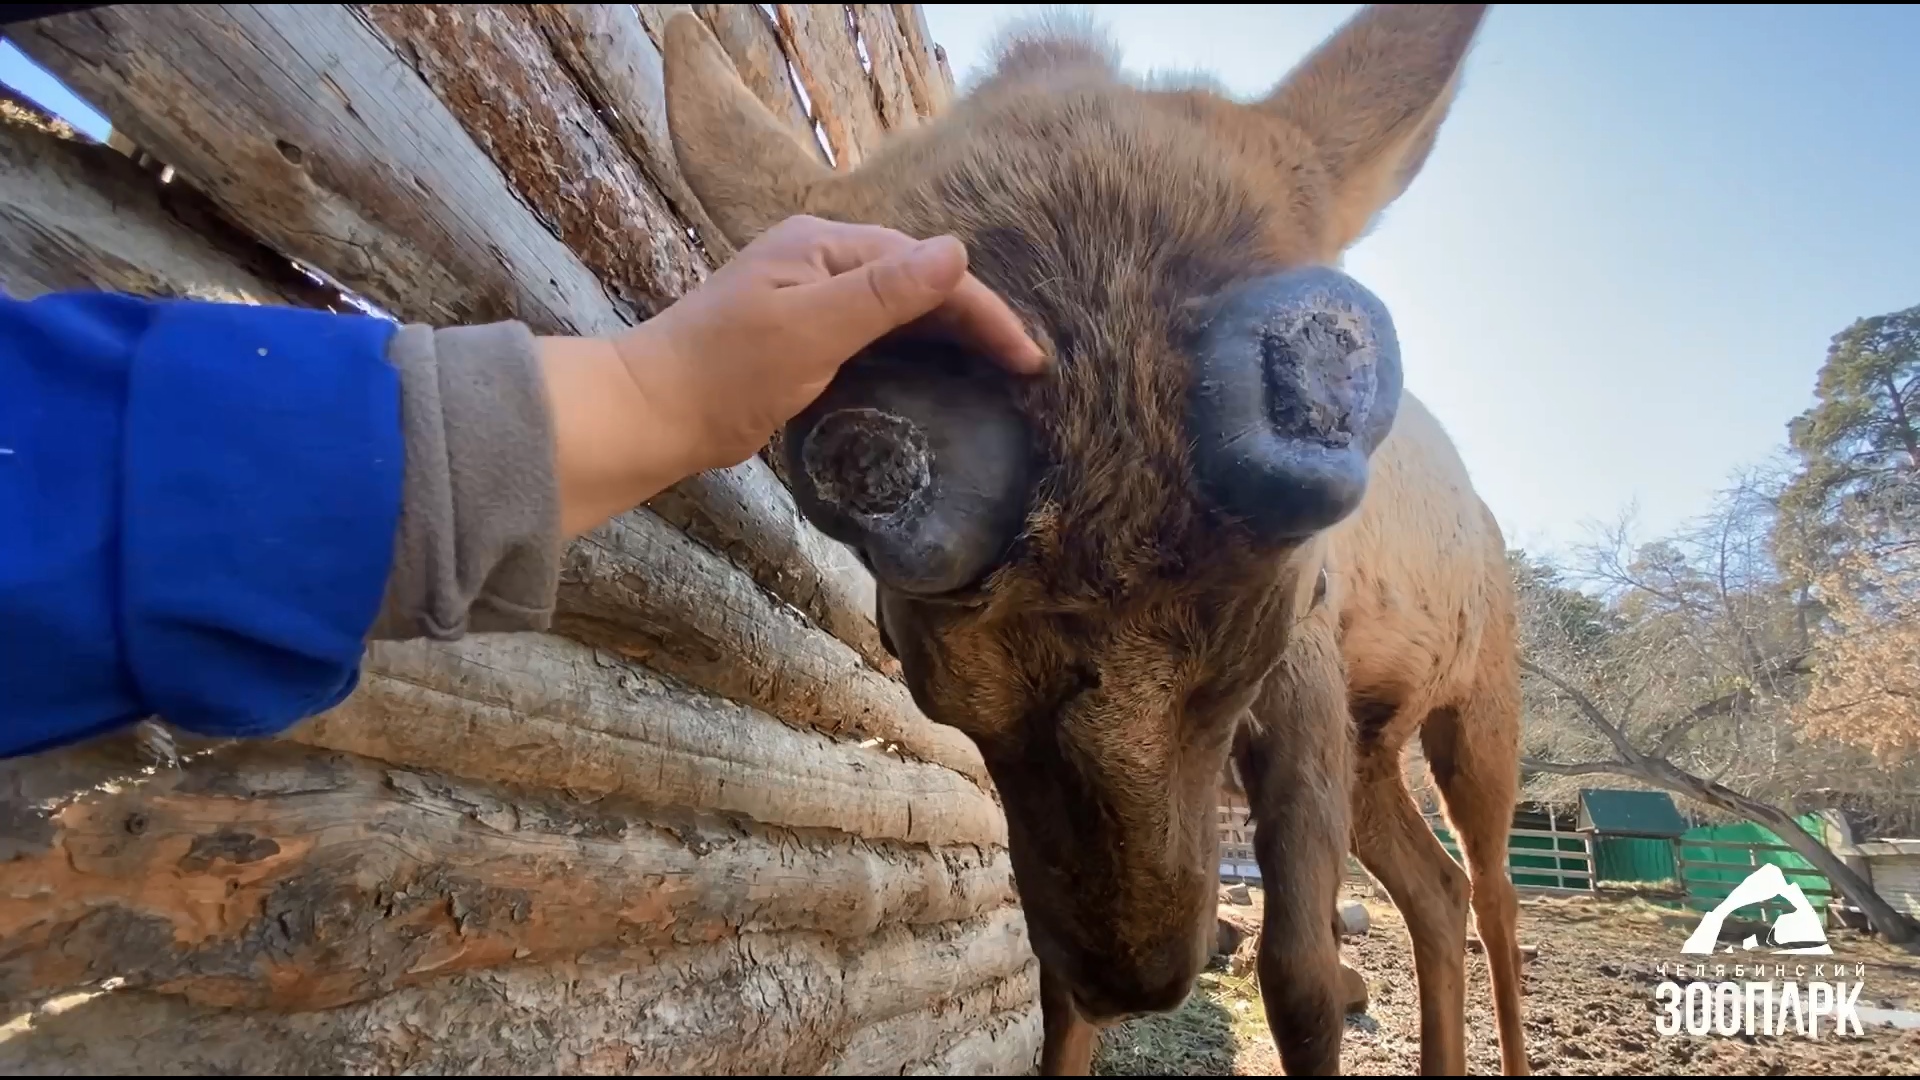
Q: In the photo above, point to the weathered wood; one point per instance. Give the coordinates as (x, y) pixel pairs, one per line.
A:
(932, 84)
(892, 61)
(946, 73)
(618, 67)
(818, 41)
(515, 854)
(786, 1001)
(293, 119)
(642, 588)
(750, 517)
(75, 214)
(490, 65)
(753, 43)
(919, 1035)
(544, 713)
(1007, 1045)
(267, 877)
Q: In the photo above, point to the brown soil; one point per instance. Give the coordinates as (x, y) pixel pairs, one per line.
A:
(1589, 1007)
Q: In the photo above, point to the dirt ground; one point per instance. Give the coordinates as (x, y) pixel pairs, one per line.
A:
(1589, 1006)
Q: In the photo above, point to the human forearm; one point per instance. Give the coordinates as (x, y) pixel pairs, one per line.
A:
(515, 445)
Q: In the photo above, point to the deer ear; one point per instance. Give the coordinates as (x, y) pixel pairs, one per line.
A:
(747, 168)
(1371, 99)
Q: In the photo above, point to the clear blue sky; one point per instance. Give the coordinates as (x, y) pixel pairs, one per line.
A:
(1618, 273)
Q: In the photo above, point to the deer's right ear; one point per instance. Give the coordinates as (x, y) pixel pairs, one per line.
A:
(1371, 100)
(748, 169)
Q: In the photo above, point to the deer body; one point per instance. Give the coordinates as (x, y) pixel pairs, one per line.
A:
(1216, 530)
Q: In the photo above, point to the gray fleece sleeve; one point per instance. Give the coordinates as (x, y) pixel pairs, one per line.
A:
(479, 546)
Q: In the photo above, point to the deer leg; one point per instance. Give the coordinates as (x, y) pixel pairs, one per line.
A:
(1295, 759)
(1430, 890)
(1474, 754)
(1066, 1047)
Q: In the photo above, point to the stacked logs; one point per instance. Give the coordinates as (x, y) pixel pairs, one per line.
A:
(700, 827)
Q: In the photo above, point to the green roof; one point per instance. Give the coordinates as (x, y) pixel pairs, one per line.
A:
(1630, 813)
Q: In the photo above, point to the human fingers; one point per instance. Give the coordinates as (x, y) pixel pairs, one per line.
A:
(851, 309)
(968, 310)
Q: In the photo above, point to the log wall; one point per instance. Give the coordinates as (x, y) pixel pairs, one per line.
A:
(701, 826)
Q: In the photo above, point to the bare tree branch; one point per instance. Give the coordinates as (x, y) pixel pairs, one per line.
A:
(1588, 709)
(1583, 768)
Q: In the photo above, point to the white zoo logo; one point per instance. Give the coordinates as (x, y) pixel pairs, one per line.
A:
(1736, 997)
(1796, 933)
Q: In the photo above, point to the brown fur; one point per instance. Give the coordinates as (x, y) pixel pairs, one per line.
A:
(1135, 638)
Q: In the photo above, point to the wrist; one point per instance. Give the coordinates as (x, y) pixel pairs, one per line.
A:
(616, 440)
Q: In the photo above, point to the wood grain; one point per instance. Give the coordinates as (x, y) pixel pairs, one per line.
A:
(818, 41)
(618, 68)
(753, 43)
(545, 713)
(644, 589)
(892, 61)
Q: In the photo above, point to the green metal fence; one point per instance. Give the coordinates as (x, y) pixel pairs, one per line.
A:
(1547, 859)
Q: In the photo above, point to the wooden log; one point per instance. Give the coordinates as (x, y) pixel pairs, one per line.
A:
(753, 43)
(622, 1010)
(642, 588)
(75, 214)
(946, 73)
(269, 877)
(928, 77)
(618, 68)
(490, 65)
(373, 180)
(817, 39)
(1007, 1045)
(890, 61)
(750, 517)
(544, 713)
(921, 1034)
(292, 119)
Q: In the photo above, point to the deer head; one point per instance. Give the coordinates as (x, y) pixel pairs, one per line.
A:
(1091, 573)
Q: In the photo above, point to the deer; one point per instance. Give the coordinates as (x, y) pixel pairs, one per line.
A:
(1217, 531)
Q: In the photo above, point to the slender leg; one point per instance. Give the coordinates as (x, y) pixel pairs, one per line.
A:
(1430, 889)
(1474, 757)
(1067, 1046)
(1295, 759)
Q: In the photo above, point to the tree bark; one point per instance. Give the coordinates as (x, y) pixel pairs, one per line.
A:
(1892, 925)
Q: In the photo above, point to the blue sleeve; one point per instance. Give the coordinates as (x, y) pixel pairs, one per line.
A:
(198, 505)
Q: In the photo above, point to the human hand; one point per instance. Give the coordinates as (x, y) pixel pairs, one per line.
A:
(759, 340)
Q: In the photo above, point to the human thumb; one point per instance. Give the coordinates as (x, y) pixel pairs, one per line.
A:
(855, 308)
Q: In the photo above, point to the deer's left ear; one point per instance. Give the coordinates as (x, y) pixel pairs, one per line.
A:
(1371, 100)
(748, 170)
